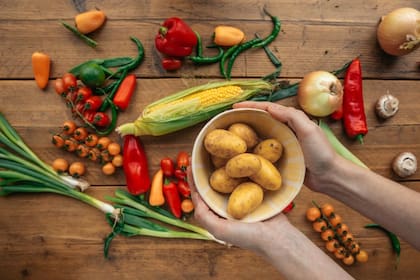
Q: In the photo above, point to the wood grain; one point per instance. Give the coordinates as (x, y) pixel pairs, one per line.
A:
(47, 236)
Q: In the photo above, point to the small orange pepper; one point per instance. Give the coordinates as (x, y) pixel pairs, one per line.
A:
(89, 21)
(228, 36)
(41, 64)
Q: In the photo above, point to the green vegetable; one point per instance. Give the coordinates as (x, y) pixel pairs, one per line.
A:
(92, 75)
(92, 43)
(338, 146)
(395, 242)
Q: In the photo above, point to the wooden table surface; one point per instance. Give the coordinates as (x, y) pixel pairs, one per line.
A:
(46, 236)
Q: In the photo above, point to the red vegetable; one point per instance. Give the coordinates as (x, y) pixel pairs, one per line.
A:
(93, 103)
(175, 38)
(101, 119)
(182, 160)
(184, 188)
(180, 174)
(69, 81)
(338, 114)
(170, 191)
(354, 116)
(171, 63)
(125, 91)
(135, 165)
(83, 94)
(289, 208)
(167, 166)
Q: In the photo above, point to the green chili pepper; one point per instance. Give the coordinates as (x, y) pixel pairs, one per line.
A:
(395, 242)
(273, 35)
(106, 63)
(273, 58)
(241, 48)
(226, 56)
(199, 48)
(86, 39)
(208, 59)
(108, 100)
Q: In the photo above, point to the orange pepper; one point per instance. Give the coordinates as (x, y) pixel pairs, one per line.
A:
(228, 36)
(88, 22)
(156, 197)
(41, 64)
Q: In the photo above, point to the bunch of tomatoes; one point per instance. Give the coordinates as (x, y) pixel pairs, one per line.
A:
(101, 149)
(338, 239)
(170, 186)
(83, 101)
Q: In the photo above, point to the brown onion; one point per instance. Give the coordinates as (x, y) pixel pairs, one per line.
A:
(320, 93)
(398, 32)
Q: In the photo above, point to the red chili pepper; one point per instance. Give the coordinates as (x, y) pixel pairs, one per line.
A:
(184, 188)
(180, 174)
(135, 165)
(175, 38)
(170, 191)
(182, 160)
(171, 63)
(125, 91)
(289, 208)
(83, 94)
(354, 116)
(101, 119)
(167, 166)
(93, 103)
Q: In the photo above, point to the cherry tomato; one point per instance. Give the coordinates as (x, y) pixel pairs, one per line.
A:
(362, 256)
(108, 168)
(167, 166)
(335, 220)
(187, 205)
(332, 245)
(114, 148)
(348, 260)
(105, 156)
(91, 140)
(182, 160)
(77, 169)
(59, 87)
(117, 160)
(327, 234)
(60, 165)
(58, 141)
(327, 209)
(70, 144)
(80, 133)
(101, 119)
(69, 127)
(94, 154)
(184, 188)
(340, 253)
(93, 103)
(342, 229)
(89, 116)
(313, 213)
(69, 82)
(83, 94)
(171, 63)
(319, 225)
(103, 143)
(180, 174)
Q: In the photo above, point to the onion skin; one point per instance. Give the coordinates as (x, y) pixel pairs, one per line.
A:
(398, 27)
(320, 93)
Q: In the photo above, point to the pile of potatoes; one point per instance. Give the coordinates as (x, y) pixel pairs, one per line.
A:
(244, 166)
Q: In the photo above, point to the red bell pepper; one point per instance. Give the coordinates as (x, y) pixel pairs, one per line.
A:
(175, 38)
(170, 191)
(135, 165)
(354, 116)
(125, 91)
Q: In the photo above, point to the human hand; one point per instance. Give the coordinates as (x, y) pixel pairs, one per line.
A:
(253, 236)
(319, 155)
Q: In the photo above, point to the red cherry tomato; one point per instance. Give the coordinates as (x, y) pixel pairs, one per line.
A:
(59, 87)
(184, 188)
(69, 81)
(101, 119)
(182, 160)
(93, 103)
(89, 116)
(180, 174)
(171, 64)
(83, 94)
(167, 166)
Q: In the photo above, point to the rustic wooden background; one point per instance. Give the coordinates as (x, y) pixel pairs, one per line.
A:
(51, 237)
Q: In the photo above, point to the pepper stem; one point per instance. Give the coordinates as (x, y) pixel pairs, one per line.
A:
(359, 138)
(163, 30)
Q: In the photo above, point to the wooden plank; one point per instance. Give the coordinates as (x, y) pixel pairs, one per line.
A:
(302, 47)
(60, 228)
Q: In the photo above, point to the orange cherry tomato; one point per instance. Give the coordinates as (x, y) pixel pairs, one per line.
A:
(312, 214)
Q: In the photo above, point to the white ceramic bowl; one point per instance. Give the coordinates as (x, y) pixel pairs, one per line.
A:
(291, 165)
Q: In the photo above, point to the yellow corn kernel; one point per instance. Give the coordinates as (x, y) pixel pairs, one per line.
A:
(203, 98)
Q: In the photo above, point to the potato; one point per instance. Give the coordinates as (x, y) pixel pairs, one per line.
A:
(221, 182)
(224, 144)
(243, 165)
(246, 133)
(244, 199)
(268, 176)
(218, 161)
(270, 149)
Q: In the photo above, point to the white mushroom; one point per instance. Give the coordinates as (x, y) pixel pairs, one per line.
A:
(387, 106)
(405, 164)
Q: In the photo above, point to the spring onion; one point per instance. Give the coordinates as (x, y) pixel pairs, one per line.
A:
(338, 146)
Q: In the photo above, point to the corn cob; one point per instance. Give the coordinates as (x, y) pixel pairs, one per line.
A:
(192, 106)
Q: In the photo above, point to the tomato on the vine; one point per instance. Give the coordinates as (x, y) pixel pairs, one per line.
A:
(167, 166)
(83, 94)
(59, 87)
(101, 119)
(180, 174)
(69, 82)
(93, 103)
(182, 160)
(184, 188)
